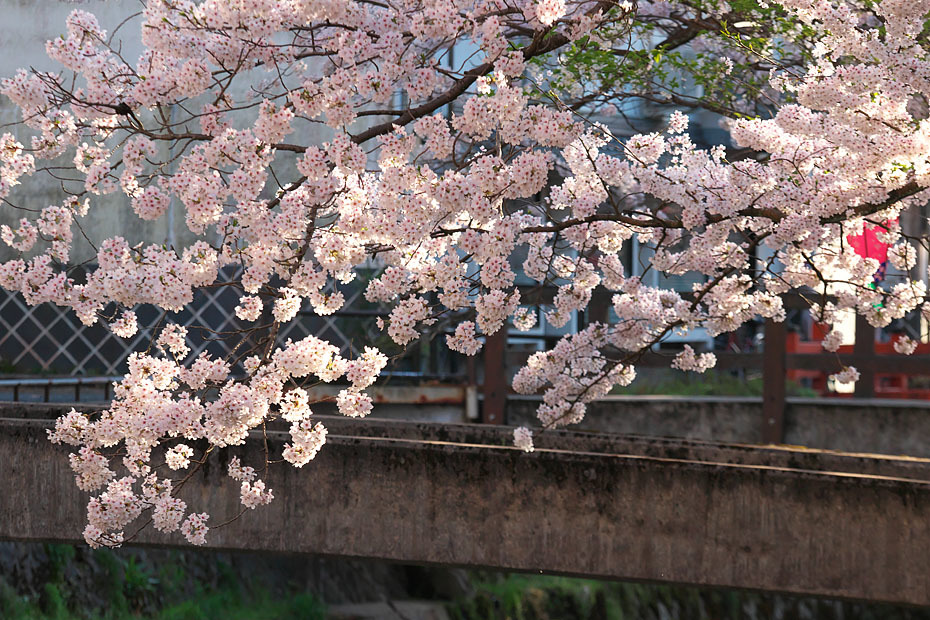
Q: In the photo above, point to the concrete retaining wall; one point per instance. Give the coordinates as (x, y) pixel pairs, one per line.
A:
(776, 519)
(880, 426)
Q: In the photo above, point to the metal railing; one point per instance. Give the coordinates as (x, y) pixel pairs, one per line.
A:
(87, 389)
(48, 339)
(21, 386)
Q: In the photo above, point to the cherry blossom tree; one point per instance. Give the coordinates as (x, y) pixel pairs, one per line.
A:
(466, 140)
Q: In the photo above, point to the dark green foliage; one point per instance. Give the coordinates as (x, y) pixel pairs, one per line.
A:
(542, 597)
(53, 603)
(175, 585)
(127, 586)
(230, 605)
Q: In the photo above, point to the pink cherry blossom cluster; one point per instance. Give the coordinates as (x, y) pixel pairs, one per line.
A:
(441, 179)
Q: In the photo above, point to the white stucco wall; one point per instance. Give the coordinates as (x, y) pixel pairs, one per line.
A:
(25, 26)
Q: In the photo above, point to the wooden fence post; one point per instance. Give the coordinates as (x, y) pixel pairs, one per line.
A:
(865, 347)
(495, 377)
(773, 382)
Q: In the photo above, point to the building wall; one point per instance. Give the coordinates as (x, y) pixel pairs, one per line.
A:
(25, 27)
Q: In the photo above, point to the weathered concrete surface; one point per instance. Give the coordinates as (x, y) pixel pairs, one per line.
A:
(433, 403)
(850, 425)
(691, 512)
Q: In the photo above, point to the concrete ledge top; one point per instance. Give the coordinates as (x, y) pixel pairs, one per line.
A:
(753, 400)
(489, 436)
(453, 395)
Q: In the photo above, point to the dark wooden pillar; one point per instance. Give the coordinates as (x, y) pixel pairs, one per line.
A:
(773, 382)
(865, 348)
(495, 378)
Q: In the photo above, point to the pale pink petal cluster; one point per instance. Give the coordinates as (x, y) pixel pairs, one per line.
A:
(440, 182)
(523, 439)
